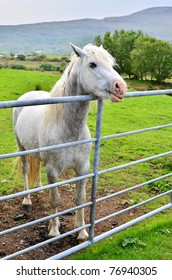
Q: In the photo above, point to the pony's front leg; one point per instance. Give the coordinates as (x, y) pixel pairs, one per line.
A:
(54, 199)
(27, 203)
(79, 217)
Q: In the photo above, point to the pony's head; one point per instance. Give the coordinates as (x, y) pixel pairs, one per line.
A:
(96, 73)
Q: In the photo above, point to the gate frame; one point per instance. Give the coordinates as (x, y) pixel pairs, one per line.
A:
(94, 175)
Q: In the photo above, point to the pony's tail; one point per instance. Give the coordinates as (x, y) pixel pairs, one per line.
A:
(34, 169)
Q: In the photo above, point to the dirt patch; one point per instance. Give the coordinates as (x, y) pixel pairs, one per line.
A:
(12, 215)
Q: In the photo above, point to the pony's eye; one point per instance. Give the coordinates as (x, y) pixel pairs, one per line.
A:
(92, 65)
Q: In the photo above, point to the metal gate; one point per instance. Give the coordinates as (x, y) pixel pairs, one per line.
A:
(94, 175)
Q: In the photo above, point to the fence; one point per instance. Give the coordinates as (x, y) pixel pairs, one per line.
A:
(94, 175)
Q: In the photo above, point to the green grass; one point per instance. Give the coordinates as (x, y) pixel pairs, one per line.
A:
(132, 114)
(14, 83)
(149, 240)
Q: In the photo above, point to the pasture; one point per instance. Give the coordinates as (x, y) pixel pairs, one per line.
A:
(34, 62)
(132, 114)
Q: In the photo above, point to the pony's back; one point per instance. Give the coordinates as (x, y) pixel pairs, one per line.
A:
(28, 96)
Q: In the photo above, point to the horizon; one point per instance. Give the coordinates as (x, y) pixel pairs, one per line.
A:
(77, 19)
(53, 37)
(41, 11)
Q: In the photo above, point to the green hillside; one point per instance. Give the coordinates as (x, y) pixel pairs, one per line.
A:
(53, 37)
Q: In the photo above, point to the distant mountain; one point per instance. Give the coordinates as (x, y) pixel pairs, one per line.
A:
(54, 37)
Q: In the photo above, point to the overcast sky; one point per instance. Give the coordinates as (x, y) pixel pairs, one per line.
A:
(32, 11)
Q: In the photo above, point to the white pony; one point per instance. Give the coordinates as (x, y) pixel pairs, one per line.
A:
(89, 72)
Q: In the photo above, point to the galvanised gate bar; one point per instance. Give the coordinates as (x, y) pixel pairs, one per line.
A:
(94, 175)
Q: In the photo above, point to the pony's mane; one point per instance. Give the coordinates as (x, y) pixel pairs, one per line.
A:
(58, 89)
(53, 111)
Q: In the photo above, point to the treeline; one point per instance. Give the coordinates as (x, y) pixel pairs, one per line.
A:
(139, 56)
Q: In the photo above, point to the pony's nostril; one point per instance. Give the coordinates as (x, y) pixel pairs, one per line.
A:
(120, 88)
(117, 86)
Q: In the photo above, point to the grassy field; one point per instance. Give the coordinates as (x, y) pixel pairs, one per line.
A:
(149, 240)
(13, 84)
(132, 114)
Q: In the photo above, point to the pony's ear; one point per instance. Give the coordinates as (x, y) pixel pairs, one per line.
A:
(79, 52)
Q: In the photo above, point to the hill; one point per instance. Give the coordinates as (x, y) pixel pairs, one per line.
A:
(53, 37)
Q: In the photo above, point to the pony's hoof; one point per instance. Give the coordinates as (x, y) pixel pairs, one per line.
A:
(27, 207)
(27, 204)
(83, 236)
(53, 233)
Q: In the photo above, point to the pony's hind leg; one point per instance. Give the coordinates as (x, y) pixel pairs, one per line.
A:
(27, 204)
(79, 217)
(54, 199)
(23, 165)
(38, 181)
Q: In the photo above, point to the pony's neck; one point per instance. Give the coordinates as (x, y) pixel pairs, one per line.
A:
(73, 115)
(60, 90)
(59, 87)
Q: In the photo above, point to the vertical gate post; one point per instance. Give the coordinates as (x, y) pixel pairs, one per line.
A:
(95, 168)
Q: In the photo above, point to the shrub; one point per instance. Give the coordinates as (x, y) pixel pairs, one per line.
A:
(20, 57)
(17, 67)
(47, 67)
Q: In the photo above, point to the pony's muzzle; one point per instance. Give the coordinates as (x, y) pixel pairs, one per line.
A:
(118, 92)
(120, 89)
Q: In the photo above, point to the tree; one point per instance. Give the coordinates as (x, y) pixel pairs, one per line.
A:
(107, 42)
(161, 60)
(97, 41)
(123, 44)
(153, 58)
(139, 55)
(120, 45)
